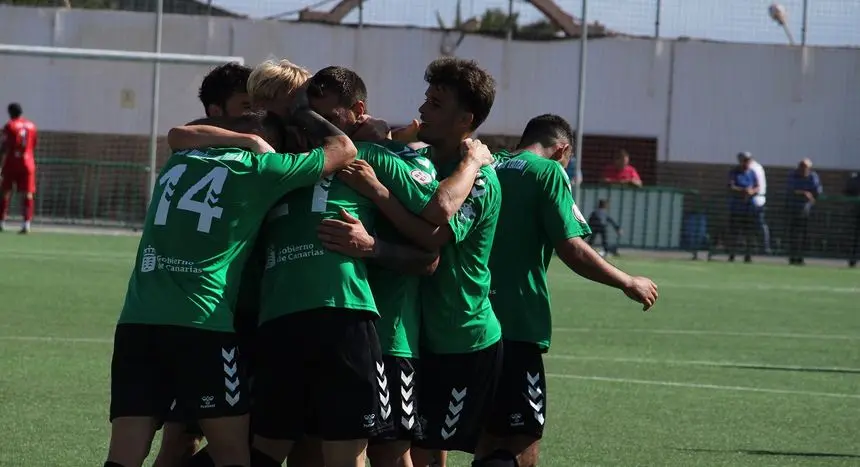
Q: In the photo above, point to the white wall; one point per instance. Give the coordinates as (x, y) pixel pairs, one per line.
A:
(774, 101)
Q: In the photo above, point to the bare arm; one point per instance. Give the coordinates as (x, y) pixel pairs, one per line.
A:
(339, 150)
(583, 260)
(404, 258)
(423, 233)
(454, 190)
(350, 238)
(208, 136)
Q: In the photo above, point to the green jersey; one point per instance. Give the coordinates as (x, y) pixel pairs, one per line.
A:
(538, 211)
(206, 210)
(295, 258)
(395, 293)
(457, 316)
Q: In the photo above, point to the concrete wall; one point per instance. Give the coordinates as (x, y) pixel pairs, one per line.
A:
(701, 102)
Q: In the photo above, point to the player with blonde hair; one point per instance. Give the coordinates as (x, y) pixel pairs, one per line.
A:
(273, 84)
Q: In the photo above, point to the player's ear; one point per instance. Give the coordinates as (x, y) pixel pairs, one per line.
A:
(359, 108)
(214, 110)
(561, 152)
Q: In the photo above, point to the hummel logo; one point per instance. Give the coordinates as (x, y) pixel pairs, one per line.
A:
(231, 386)
(533, 380)
(407, 380)
(232, 400)
(446, 434)
(534, 393)
(452, 421)
(407, 422)
(455, 409)
(406, 394)
(380, 367)
(230, 370)
(458, 395)
(228, 356)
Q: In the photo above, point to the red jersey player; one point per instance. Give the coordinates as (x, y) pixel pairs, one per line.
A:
(18, 166)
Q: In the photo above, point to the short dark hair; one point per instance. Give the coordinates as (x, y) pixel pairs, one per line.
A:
(14, 110)
(223, 82)
(475, 88)
(343, 82)
(547, 129)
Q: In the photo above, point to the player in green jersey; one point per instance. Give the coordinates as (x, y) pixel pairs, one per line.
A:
(325, 331)
(340, 95)
(461, 337)
(223, 92)
(174, 340)
(538, 216)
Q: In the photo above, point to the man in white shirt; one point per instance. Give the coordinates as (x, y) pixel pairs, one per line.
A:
(759, 199)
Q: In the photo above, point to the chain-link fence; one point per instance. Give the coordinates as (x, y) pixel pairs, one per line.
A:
(722, 79)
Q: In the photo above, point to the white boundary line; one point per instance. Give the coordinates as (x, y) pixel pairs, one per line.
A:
(95, 340)
(670, 362)
(704, 386)
(694, 332)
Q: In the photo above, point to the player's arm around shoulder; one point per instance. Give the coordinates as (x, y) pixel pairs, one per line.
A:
(456, 188)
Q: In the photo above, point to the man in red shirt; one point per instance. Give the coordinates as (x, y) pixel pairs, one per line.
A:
(621, 172)
(17, 164)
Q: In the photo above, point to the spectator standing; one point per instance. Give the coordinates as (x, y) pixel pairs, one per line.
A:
(620, 172)
(804, 188)
(599, 220)
(758, 200)
(852, 189)
(743, 186)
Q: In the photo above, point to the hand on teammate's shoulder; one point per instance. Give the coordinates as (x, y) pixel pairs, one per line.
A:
(369, 128)
(475, 150)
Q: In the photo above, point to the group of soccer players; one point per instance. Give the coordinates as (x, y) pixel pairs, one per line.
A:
(315, 288)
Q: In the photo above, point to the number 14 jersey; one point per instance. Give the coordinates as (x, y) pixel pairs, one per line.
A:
(205, 212)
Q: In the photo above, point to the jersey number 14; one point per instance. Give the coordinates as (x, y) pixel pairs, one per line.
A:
(206, 209)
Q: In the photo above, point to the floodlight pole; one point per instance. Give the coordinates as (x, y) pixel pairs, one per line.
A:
(805, 26)
(156, 90)
(580, 113)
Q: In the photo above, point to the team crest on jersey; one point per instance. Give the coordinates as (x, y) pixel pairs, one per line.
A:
(467, 211)
(578, 214)
(479, 188)
(148, 260)
(421, 176)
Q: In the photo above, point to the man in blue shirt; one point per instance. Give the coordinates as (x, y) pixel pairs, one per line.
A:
(804, 188)
(743, 186)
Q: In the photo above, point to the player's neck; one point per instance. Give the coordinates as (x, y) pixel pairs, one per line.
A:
(446, 152)
(536, 148)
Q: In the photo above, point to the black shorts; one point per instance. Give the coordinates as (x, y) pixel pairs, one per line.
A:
(401, 381)
(320, 373)
(193, 372)
(520, 406)
(456, 395)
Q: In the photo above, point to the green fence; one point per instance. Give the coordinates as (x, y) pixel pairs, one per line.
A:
(668, 218)
(72, 191)
(84, 192)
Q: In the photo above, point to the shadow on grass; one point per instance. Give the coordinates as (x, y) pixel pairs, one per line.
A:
(767, 452)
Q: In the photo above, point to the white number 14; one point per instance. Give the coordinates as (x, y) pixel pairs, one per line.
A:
(206, 209)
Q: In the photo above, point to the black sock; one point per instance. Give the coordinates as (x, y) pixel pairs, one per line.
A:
(201, 459)
(259, 459)
(113, 464)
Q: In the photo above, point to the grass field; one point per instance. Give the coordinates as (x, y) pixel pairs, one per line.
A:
(738, 365)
